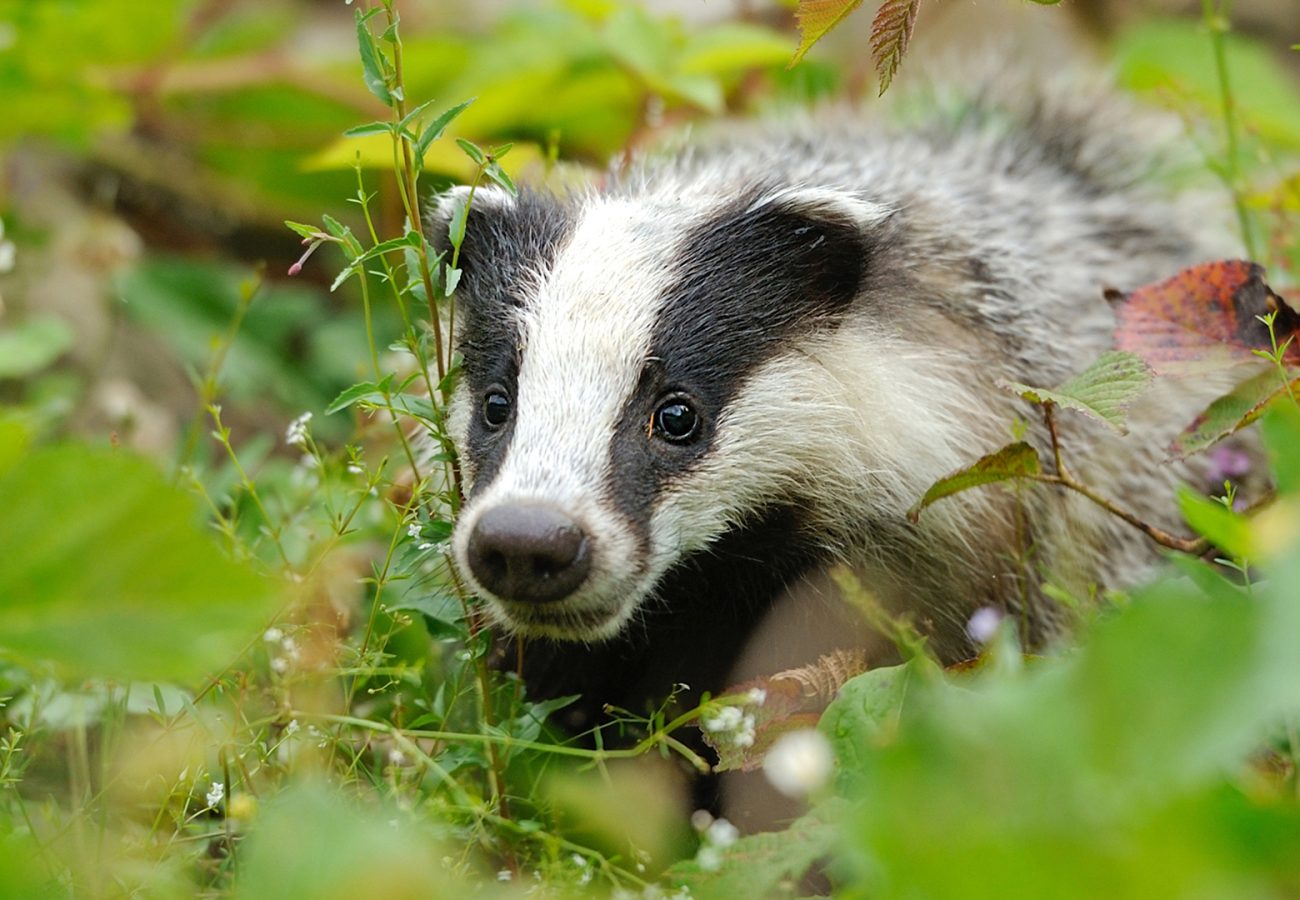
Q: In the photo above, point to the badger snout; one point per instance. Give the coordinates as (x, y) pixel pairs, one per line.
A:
(528, 553)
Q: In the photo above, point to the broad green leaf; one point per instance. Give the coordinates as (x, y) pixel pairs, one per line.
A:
(372, 66)
(865, 710)
(106, 572)
(1230, 413)
(1176, 57)
(1104, 390)
(1223, 527)
(28, 348)
(472, 150)
(816, 18)
(1018, 460)
(731, 47)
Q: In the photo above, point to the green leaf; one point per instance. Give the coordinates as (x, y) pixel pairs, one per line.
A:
(435, 129)
(130, 587)
(372, 66)
(459, 215)
(816, 18)
(1104, 390)
(494, 171)
(472, 150)
(304, 231)
(370, 128)
(865, 711)
(1223, 527)
(1281, 430)
(28, 348)
(1018, 460)
(414, 114)
(1229, 414)
(359, 391)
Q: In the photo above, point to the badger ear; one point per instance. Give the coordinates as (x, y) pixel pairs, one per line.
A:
(821, 238)
(450, 207)
(832, 206)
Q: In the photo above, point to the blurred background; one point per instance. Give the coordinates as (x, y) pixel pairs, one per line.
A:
(149, 155)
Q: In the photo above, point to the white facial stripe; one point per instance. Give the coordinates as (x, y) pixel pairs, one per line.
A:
(586, 335)
(829, 422)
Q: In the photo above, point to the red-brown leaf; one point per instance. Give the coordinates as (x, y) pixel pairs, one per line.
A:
(1203, 316)
(891, 30)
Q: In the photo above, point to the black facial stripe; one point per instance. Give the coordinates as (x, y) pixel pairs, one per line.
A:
(751, 281)
(505, 247)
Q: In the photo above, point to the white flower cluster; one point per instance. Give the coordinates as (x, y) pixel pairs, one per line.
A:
(734, 722)
(296, 434)
(799, 762)
(288, 647)
(716, 835)
(215, 794)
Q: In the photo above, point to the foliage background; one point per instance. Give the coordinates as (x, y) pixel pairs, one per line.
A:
(187, 600)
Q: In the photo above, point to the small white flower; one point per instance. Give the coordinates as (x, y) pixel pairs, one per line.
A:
(290, 648)
(579, 860)
(424, 545)
(296, 434)
(413, 529)
(722, 833)
(799, 762)
(983, 625)
(272, 635)
(727, 719)
(709, 858)
(701, 819)
(292, 727)
(8, 255)
(215, 794)
(744, 736)
(757, 696)
(396, 757)
(280, 664)
(505, 875)
(355, 469)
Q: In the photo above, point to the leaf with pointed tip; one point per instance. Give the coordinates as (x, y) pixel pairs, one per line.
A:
(434, 129)
(891, 32)
(1018, 460)
(372, 67)
(1104, 390)
(816, 18)
(1230, 413)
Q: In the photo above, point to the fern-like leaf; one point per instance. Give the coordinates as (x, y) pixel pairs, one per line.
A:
(891, 31)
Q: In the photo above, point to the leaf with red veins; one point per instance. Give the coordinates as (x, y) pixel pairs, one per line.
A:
(1203, 317)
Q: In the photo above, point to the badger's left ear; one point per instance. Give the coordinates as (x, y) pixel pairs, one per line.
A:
(821, 238)
(831, 206)
(450, 206)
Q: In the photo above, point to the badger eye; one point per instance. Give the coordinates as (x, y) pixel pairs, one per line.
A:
(496, 408)
(676, 420)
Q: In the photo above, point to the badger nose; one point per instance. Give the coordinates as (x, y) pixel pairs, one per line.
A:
(528, 553)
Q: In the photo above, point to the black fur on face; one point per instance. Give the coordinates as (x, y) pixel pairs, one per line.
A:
(752, 278)
(509, 245)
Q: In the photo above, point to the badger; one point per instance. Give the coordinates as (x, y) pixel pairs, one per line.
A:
(688, 392)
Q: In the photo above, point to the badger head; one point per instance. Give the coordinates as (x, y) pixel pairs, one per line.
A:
(641, 373)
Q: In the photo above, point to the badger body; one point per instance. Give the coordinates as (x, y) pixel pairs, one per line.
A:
(690, 391)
